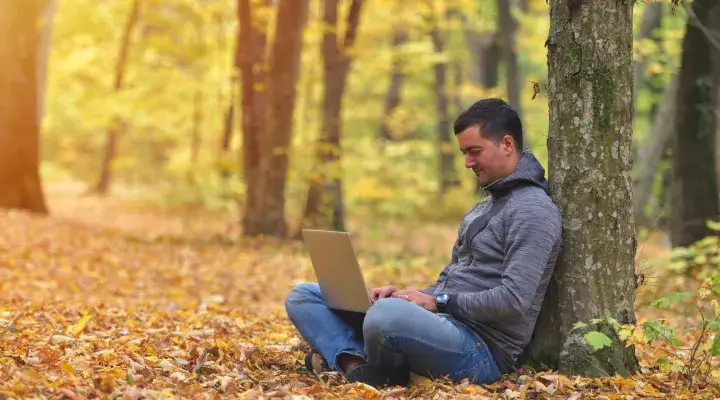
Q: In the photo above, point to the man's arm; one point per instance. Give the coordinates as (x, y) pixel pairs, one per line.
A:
(532, 231)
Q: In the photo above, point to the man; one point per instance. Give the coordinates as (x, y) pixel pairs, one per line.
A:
(476, 319)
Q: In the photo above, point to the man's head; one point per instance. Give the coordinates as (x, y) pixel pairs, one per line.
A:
(490, 134)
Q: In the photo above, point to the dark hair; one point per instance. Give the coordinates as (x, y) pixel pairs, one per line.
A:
(495, 117)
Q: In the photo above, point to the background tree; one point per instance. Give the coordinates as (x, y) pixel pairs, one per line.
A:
(19, 91)
(268, 103)
(447, 173)
(324, 207)
(117, 124)
(694, 184)
(590, 160)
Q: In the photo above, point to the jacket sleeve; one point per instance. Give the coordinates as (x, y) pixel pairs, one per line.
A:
(532, 231)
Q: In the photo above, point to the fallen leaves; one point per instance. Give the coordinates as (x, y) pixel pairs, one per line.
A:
(95, 313)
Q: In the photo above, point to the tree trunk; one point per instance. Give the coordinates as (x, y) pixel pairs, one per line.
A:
(651, 20)
(485, 56)
(116, 124)
(250, 57)
(229, 115)
(392, 99)
(268, 113)
(694, 187)
(714, 20)
(590, 160)
(446, 160)
(20, 186)
(658, 141)
(324, 207)
(513, 76)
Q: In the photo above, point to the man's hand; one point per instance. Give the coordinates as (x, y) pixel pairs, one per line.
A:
(381, 293)
(426, 301)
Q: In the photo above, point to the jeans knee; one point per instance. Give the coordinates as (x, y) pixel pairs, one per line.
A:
(301, 293)
(384, 315)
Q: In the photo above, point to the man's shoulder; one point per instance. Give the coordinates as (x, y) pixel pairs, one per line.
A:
(534, 202)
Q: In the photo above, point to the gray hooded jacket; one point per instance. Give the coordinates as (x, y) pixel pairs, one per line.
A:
(497, 283)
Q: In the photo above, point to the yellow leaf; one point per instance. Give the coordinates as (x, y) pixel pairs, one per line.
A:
(67, 368)
(79, 326)
(624, 333)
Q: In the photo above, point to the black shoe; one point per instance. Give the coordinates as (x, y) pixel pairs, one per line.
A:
(378, 377)
(314, 362)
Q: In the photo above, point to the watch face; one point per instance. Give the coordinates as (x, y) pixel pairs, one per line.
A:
(442, 297)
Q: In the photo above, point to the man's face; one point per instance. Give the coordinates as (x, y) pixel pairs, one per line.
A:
(490, 161)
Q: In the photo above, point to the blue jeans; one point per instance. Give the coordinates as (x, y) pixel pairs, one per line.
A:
(394, 333)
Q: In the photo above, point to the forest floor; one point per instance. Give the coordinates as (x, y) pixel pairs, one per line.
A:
(108, 299)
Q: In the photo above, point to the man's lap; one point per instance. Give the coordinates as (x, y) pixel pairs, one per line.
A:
(431, 344)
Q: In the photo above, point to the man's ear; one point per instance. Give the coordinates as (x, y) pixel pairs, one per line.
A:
(508, 144)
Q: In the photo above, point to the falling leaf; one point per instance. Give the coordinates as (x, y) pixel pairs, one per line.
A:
(79, 326)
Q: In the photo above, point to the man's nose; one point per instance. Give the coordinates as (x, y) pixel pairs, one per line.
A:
(469, 163)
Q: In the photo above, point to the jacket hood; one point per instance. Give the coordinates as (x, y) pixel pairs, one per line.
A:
(529, 172)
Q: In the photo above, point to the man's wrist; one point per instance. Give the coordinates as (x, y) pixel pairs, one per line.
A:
(441, 302)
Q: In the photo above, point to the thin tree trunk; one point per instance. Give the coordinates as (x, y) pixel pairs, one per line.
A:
(485, 52)
(229, 115)
(658, 141)
(513, 76)
(116, 124)
(457, 98)
(446, 161)
(196, 125)
(20, 186)
(694, 187)
(324, 207)
(392, 98)
(590, 160)
(714, 20)
(651, 20)
(483, 72)
(268, 118)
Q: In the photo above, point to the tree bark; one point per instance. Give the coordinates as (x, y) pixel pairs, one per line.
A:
(20, 186)
(590, 160)
(324, 207)
(694, 187)
(268, 105)
(658, 141)
(116, 124)
(392, 98)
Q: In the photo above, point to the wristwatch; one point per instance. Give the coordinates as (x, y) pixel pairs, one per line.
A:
(441, 300)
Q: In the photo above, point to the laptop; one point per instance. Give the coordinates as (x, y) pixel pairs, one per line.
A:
(337, 270)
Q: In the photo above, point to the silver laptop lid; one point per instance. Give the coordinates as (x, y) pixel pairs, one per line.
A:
(337, 269)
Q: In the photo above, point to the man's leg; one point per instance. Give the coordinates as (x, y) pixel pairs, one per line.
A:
(398, 332)
(324, 329)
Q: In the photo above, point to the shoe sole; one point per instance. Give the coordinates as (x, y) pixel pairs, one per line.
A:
(316, 363)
